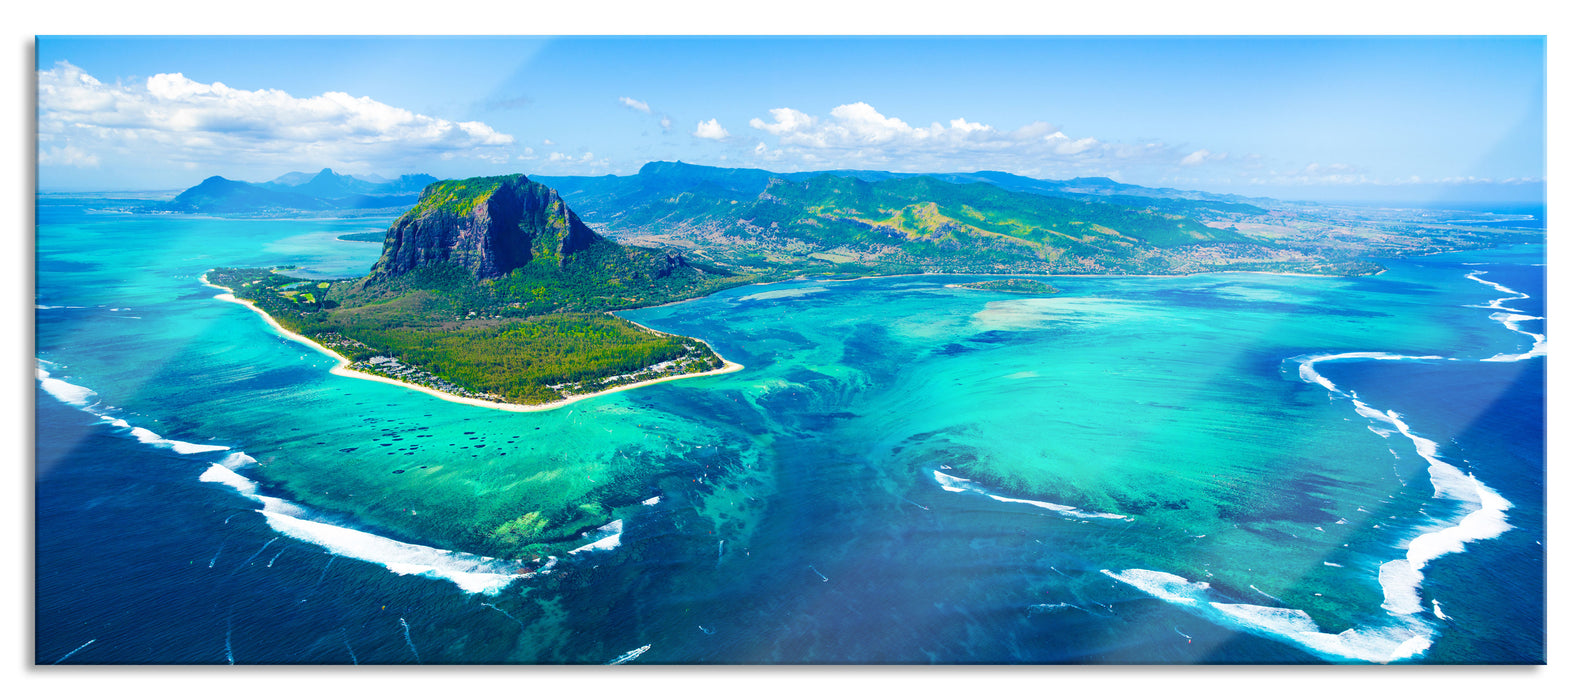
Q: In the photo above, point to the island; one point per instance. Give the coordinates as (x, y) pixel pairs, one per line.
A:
(1012, 286)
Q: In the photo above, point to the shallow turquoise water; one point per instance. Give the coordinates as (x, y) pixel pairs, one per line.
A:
(1133, 470)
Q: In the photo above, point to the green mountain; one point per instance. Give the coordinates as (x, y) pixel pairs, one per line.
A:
(492, 288)
(864, 222)
(511, 246)
(600, 198)
(757, 220)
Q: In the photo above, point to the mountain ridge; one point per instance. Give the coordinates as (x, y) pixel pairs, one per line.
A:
(873, 222)
(323, 191)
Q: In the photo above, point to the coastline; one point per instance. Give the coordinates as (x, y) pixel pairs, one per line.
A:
(342, 366)
(1062, 275)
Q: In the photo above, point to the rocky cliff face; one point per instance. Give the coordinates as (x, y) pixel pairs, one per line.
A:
(489, 226)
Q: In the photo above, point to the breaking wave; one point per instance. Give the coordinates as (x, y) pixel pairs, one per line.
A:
(1405, 638)
(470, 572)
(955, 484)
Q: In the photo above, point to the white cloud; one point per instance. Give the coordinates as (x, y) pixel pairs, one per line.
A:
(645, 108)
(859, 135)
(712, 130)
(1329, 169)
(786, 120)
(638, 105)
(69, 156)
(560, 163)
(1064, 145)
(170, 118)
(1200, 157)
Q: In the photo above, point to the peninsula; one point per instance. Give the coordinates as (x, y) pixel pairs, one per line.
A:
(492, 291)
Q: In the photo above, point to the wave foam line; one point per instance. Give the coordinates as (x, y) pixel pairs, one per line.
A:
(1509, 320)
(1509, 317)
(470, 572)
(1407, 638)
(84, 398)
(1497, 303)
(1310, 375)
(955, 484)
(66, 392)
(149, 437)
(611, 539)
(1402, 579)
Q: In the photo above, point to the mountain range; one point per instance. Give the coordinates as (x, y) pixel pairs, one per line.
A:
(862, 222)
(324, 191)
(872, 221)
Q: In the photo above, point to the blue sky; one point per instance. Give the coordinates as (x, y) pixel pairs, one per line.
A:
(1394, 118)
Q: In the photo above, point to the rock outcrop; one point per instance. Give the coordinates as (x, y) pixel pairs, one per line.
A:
(488, 226)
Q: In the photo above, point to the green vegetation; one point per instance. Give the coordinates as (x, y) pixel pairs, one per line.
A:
(492, 287)
(369, 237)
(494, 351)
(871, 223)
(927, 223)
(1014, 286)
(458, 197)
(474, 300)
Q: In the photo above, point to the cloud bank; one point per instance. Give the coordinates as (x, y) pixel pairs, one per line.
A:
(859, 135)
(170, 118)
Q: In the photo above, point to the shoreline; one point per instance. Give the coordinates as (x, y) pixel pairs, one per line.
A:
(342, 366)
(1073, 275)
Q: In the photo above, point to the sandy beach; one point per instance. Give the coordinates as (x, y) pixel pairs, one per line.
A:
(343, 366)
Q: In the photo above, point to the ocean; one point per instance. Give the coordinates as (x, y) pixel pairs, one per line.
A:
(1216, 469)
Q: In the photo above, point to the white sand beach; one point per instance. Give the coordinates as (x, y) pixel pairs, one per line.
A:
(343, 366)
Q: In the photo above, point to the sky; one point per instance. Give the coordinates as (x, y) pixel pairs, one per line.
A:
(1329, 118)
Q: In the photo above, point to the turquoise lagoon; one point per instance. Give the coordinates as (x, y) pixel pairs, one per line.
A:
(1232, 468)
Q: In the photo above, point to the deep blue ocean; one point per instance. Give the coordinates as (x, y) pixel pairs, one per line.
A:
(1133, 471)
